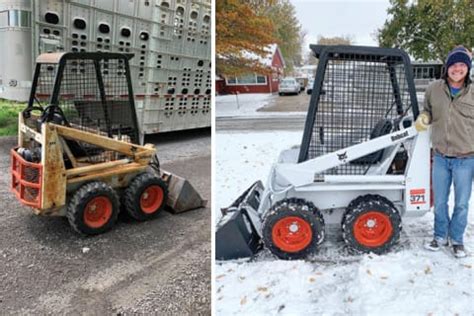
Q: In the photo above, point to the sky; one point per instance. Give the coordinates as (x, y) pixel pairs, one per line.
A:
(355, 18)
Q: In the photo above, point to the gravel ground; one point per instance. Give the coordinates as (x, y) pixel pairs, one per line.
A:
(162, 266)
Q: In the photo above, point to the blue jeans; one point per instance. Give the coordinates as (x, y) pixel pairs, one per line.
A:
(459, 171)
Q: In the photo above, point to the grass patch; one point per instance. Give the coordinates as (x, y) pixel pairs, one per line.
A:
(9, 117)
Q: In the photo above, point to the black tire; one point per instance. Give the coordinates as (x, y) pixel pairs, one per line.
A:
(83, 216)
(382, 213)
(280, 94)
(132, 196)
(310, 221)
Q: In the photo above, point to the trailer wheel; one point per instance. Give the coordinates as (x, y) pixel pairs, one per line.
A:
(371, 223)
(93, 209)
(145, 196)
(293, 228)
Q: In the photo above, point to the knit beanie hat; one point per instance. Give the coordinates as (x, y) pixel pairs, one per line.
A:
(459, 55)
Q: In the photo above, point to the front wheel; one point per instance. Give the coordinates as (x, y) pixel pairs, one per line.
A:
(293, 228)
(371, 223)
(145, 196)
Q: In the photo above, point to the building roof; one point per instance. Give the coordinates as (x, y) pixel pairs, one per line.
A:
(268, 59)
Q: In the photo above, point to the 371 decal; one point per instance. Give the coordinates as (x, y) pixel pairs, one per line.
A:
(417, 196)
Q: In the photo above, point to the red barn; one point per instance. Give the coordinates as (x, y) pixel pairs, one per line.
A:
(255, 83)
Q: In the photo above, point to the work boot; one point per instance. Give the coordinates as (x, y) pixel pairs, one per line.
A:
(434, 245)
(458, 251)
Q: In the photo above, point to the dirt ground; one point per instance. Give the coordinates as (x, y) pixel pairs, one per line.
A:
(162, 266)
(288, 103)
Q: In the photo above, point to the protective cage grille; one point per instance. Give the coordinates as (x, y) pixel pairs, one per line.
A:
(94, 95)
(356, 91)
(26, 180)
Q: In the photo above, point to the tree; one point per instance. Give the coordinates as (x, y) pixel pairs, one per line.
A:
(287, 31)
(428, 29)
(246, 27)
(310, 59)
(241, 32)
(337, 40)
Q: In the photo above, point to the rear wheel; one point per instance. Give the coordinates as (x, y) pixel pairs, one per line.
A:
(371, 223)
(93, 208)
(145, 196)
(293, 228)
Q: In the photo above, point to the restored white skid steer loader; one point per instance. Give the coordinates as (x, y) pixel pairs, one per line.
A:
(361, 164)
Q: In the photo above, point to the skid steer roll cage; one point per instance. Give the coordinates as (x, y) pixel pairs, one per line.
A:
(387, 73)
(72, 72)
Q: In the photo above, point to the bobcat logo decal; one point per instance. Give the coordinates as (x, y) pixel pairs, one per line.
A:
(342, 156)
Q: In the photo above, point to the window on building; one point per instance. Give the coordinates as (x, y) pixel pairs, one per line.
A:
(232, 80)
(250, 79)
(261, 79)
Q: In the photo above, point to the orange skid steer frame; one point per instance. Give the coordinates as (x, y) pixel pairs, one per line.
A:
(44, 186)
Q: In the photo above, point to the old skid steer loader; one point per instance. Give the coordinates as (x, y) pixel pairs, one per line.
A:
(77, 146)
(361, 164)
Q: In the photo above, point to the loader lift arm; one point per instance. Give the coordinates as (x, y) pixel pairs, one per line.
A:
(299, 175)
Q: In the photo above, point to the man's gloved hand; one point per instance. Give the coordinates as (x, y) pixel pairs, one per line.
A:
(422, 122)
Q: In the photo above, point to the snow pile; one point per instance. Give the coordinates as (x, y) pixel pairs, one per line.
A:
(241, 104)
(408, 280)
(247, 104)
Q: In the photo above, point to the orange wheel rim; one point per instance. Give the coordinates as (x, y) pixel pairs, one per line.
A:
(151, 199)
(292, 234)
(373, 229)
(98, 212)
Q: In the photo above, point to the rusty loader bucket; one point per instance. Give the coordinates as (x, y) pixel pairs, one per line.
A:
(182, 196)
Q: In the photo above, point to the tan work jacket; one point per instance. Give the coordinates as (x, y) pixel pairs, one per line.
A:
(452, 120)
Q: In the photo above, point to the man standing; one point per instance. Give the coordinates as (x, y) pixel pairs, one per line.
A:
(449, 108)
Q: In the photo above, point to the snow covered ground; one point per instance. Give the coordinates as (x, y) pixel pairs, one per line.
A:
(246, 104)
(407, 281)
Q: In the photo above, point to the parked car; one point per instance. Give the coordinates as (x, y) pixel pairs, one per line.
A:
(309, 87)
(289, 85)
